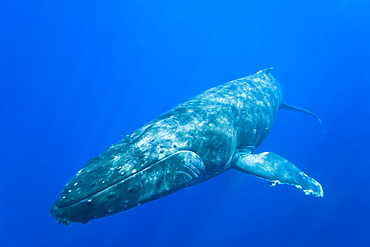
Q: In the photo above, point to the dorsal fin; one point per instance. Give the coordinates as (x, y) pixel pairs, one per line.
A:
(265, 70)
(291, 107)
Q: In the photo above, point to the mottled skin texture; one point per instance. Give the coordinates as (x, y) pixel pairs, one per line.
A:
(189, 144)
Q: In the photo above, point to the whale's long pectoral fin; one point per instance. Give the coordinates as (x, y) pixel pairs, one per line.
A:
(276, 170)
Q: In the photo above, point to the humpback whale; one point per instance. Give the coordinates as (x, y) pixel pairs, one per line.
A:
(197, 140)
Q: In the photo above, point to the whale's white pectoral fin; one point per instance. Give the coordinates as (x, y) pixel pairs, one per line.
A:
(276, 170)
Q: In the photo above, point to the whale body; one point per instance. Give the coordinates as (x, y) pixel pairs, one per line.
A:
(197, 140)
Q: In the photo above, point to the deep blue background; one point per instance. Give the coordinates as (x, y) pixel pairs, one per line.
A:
(76, 76)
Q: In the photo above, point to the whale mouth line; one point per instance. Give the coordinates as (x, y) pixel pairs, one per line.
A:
(115, 183)
(106, 188)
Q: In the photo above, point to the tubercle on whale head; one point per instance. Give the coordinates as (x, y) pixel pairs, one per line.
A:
(164, 177)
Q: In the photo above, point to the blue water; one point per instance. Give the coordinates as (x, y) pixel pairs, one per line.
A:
(76, 76)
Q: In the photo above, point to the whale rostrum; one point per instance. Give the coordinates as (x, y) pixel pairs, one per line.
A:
(197, 140)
